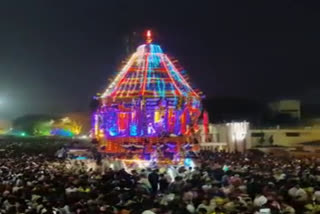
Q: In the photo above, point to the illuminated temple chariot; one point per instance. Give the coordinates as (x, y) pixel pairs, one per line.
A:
(149, 104)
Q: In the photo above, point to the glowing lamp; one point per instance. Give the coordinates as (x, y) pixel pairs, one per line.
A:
(188, 162)
(133, 130)
(151, 130)
(239, 130)
(113, 131)
(157, 117)
(149, 39)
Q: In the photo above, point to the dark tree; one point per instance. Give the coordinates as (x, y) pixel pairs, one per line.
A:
(261, 140)
(271, 140)
(27, 123)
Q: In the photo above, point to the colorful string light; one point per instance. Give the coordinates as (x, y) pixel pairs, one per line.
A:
(148, 98)
(149, 72)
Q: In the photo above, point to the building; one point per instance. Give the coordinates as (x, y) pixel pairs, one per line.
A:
(291, 108)
(237, 136)
(230, 137)
(292, 137)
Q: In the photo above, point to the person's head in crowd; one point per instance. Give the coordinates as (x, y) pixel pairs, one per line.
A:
(40, 184)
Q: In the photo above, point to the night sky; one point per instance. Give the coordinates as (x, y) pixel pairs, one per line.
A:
(55, 55)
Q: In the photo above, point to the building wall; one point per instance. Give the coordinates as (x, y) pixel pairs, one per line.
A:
(228, 136)
(284, 137)
(238, 136)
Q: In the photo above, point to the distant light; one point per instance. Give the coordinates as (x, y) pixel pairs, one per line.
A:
(23, 134)
(238, 130)
(188, 162)
(81, 158)
(65, 120)
(83, 136)
(149, 39)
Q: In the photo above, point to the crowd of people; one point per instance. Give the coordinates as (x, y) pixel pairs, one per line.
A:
(219, 183)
